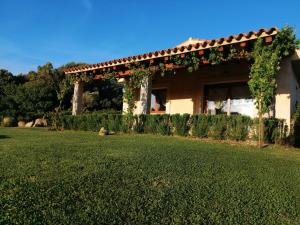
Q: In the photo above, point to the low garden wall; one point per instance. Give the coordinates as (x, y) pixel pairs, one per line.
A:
(220, 127)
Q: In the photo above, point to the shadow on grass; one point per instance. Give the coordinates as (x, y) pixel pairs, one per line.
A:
(4, 136)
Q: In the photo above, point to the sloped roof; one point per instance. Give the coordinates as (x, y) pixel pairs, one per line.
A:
(191, 41)
(191, 45)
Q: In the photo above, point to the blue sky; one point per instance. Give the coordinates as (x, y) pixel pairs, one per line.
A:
(34, 32)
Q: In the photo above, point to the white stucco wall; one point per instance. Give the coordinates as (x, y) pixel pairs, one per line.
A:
(287, 90)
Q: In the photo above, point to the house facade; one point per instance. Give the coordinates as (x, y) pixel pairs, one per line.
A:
(211, 89)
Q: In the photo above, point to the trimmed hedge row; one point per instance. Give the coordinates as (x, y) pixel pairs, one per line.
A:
(218, 127)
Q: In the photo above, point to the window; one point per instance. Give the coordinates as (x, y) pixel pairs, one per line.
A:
(229, 99)
(158, 100)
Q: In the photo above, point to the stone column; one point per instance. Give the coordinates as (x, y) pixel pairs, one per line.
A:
(228, 106)
(77, 98)
(145, 96)
(123, 82)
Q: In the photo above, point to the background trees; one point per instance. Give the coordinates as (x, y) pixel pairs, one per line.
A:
(31, 95)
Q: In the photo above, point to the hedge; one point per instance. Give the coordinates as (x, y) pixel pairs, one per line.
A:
(219, 127)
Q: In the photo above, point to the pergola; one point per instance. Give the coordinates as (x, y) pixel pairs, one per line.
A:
(122, 69)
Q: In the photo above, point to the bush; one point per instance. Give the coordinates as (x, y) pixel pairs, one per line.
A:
(180, 124)
(218, 127)
(200, 125)
(275, 130)
(127, 123)
(87, 122)
(139, 123)
(238, 127)
(295, 134)
(235, 127)
(164, 127)
(114, 122)
(157, 124)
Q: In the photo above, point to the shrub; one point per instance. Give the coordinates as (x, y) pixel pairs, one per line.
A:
(235, 127)
(181, 124)
(157, 124)
(87, 122)
(139, 123)
(275, 130)
(218, 127)
(114, 122)
(164, 127)
(127, 123)
(238, 127)
(295, 133)
(200, 125)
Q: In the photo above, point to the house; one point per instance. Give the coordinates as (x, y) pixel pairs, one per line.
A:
(210, 89)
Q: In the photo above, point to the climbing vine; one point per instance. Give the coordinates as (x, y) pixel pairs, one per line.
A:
(136, 78)
(85, 76)
(266, 64)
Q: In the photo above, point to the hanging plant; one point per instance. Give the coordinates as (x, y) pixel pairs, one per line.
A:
(235, 53)
(215, 56)
(86, 76)
(190, 61)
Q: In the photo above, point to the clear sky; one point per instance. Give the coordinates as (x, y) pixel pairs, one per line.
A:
(33, 32)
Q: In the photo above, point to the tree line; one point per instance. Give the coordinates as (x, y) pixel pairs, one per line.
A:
(31, 95)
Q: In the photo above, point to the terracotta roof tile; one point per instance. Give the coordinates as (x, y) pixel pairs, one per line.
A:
(200, 46)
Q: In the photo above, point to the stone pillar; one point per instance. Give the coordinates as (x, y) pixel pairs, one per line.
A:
(77, 98)
(125, 105)
(228, 106)
(123, 82)
(145, 96)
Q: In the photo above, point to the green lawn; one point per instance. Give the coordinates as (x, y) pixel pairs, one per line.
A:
(74, 177)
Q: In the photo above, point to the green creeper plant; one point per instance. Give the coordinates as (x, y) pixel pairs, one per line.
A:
(266, 64)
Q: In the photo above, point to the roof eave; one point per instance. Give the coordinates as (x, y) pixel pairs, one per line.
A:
(177, 50)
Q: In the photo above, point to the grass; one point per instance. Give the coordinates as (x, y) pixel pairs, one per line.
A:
(80, 178)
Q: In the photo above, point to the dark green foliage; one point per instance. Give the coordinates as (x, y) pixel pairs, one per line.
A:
(114, 122)
(218, 127)
(180, 124)
(47, 89)
(238, 127)
(297, 135)
(200, 125)
(296, 127)
(75, 177)
(7, 91)
(275, 130)
(36, 96)
(87, 122)
(127, 123)
(139, 123)
(158, 124)
(104, 94)
(221, 126)
(164, 126)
